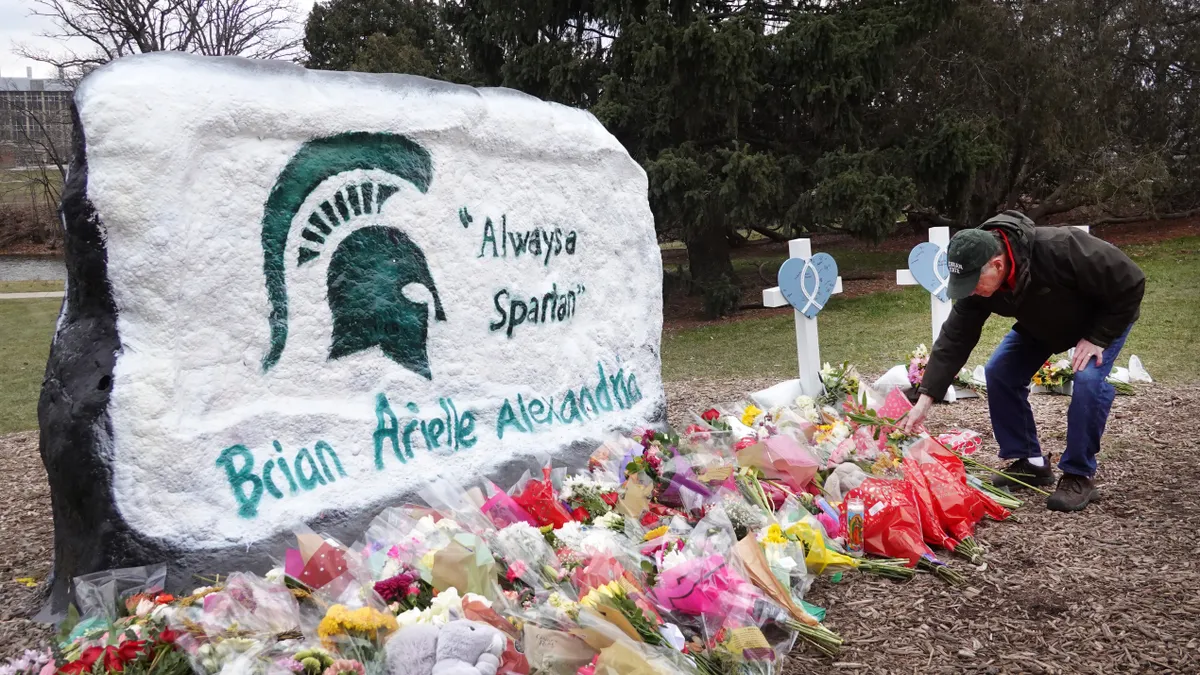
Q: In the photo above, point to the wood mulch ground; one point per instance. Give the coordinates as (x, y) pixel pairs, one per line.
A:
(1114, 589)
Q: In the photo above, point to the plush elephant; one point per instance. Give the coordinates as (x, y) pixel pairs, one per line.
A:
(457, 648)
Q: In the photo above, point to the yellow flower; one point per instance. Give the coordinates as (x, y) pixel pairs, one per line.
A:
(750, 414)
(655, 533)
(819, 558)
(599, 594)
(365, 622)
(775, 535)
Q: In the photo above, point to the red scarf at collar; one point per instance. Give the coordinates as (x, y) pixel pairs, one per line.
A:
(1010, 283)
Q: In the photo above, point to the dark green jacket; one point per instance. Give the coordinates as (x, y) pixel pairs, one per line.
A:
(1069, 286)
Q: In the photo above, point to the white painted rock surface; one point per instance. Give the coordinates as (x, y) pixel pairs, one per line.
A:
(316, 291)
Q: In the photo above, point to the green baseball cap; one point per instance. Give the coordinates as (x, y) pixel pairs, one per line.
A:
(969, 251)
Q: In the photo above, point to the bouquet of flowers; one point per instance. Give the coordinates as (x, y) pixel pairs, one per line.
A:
(917, 359)
(1053, 376)
(840, 383)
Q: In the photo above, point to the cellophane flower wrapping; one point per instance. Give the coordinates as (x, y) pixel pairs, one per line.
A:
(501, 509)
(527, 556)
(785, 553)
(981, 504)
(955, 503)
(933, 525)
(782, 458)
(822, 555)
(892, 520)
(102, 594)
(540, 499)
(241, 625)
(358, 633)
(706, 592)
(619, 653)
(962, 441)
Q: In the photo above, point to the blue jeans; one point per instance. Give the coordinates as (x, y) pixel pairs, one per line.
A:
(1009, 372)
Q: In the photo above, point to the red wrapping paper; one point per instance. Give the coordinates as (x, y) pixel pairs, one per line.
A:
(892, 521)
(962, 441)
(932, 528)
(540, 502)
(955, 466)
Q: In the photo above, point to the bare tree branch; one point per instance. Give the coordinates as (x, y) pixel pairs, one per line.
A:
(264, 29)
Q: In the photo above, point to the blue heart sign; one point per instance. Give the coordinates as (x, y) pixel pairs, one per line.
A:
(927, 262)
(807, 283)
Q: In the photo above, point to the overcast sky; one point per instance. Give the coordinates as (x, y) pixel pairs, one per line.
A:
(17, 27)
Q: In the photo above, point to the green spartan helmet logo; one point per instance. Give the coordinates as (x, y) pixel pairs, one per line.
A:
(371, 266)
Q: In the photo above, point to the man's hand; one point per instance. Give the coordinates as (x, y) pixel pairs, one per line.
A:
(1084, 351)
(915, 417)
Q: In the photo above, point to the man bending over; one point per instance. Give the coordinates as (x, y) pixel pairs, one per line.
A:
(1066, 289)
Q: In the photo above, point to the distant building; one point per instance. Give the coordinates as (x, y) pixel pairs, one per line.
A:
(35, 120)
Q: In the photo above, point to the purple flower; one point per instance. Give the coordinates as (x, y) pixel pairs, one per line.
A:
(393, 590)
(291, 664)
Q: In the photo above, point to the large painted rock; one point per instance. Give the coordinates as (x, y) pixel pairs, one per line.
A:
(299, 296)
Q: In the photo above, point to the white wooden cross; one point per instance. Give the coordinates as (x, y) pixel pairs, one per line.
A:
(808, 348)
(940, 309)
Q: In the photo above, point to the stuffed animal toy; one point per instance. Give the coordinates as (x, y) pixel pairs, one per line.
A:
(457, 648)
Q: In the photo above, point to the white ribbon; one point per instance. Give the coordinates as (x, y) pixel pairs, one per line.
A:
(943, 281)
(810, 296)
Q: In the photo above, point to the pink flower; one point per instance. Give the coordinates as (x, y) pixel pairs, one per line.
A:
(832, 527)
(589, 669)
(916, 371)
(839, 454)
(515, 570)
(345, 667)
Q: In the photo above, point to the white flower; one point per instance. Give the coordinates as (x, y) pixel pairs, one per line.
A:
(570, 534)
(449, 526)
(522, 541)
(585, 487)
(599, 540)
(611, 520)
(424, 528)
(472, 597)
(391, 567)
(671, 560)
(164, 614)
(144, 607)
(840, 431)
(445, 607)
(806, 406)
(411, 617)
(742, 514)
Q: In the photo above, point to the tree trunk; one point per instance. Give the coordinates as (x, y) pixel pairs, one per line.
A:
(708, 256)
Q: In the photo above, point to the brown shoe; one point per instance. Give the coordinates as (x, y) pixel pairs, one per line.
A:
(1074, 493)
(1023, 470)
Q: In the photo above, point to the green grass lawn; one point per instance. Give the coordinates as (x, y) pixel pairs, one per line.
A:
(31, 286)
(850, 263)
(875, 331)
(26, 327)
(15, 185)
